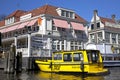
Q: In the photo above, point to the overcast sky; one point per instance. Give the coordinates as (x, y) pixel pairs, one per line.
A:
(83, 8)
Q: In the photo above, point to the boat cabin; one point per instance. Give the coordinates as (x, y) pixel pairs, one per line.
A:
(88, 61)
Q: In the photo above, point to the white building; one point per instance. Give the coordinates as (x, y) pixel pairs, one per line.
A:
(40, 31)
(105, 33)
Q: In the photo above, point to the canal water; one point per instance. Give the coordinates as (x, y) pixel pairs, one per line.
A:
(37, 75)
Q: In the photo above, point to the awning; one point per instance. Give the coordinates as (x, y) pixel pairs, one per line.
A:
(60, 23)
(28, 23)
(11, 28)
(22, 25)
(32, 22)
(2, 30)
(77, 26)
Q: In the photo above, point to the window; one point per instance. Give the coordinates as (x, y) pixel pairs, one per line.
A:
(92, 26)
(99, 34)
(67, 14)
(92, 37)
(62, 45)
(77, 57)
(63, 29)
(78, 31)
(9, 21)
(63, 13)
(68, 57)
(107, 37)
(23, 31)
(57, 56)
(113, 38)
(37, 28)
(59, 29)
(98, 25)
(54, 28)
(58, 45)
(71, 15)
(118, 38)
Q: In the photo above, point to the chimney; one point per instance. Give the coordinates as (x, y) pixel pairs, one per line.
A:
(95, 12)
(113, 17)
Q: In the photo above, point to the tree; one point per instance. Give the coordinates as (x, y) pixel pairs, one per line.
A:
(2, 16)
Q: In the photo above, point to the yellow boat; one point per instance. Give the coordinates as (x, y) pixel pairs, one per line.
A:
(88, 61)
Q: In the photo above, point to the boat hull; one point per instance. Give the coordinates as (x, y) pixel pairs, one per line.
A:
(49, 66)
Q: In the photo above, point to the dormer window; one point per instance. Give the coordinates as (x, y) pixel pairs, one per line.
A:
(63, 13)
(9, 21)
(27, 16)
(66, 13)
(93, 26)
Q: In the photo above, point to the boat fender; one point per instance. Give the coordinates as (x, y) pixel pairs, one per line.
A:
(82, 66)
(50, 65)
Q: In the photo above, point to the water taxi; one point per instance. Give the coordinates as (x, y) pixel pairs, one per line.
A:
(88, 61)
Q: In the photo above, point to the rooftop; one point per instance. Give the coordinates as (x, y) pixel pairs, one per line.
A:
(45, 9)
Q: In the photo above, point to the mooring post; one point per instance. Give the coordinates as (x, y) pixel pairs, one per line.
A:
(6, 62)
(10, 65)
(19, 62)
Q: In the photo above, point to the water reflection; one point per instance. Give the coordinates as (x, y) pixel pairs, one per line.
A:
(55, 76)
(33, 75)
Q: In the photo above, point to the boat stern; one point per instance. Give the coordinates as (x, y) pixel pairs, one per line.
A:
(99, 72)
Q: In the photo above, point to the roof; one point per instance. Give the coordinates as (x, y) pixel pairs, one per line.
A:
(51, 10)
(46, 9)
(16, 13)
(103, 20)
(2, 23)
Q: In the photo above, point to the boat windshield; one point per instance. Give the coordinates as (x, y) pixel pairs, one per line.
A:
(93, 56)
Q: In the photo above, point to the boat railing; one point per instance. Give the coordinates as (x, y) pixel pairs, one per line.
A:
(111, 57)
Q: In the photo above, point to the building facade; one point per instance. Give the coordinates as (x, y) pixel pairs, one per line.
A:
(41, 31)
(105, 32)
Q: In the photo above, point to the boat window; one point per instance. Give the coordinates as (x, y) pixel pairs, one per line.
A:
(57, 56)
(77, 57)
(93, 56)
(68, 57)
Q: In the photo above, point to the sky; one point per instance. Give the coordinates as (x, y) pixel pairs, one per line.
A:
(83, 8)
